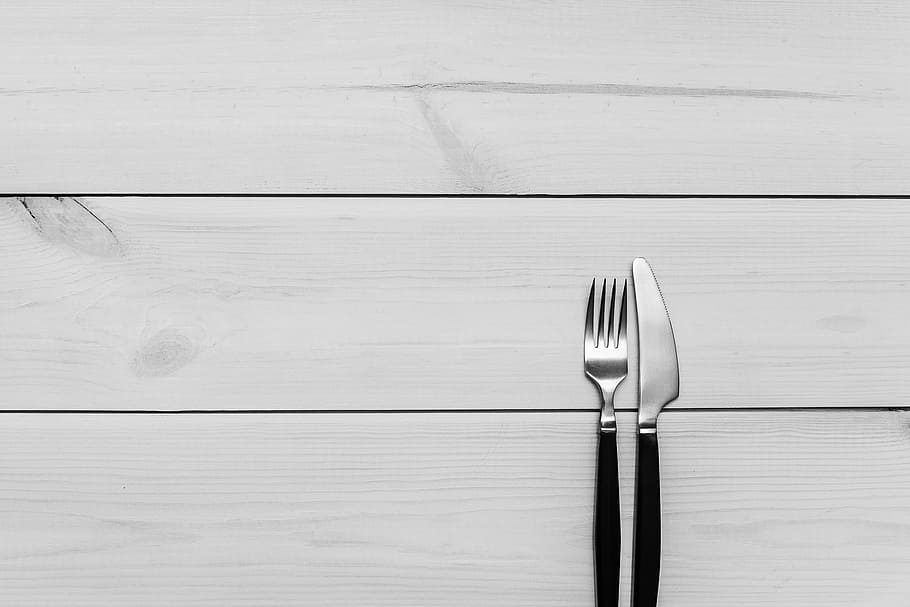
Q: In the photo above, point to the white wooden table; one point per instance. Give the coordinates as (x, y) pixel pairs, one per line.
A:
(181, 422)
(382, 400)
(593, 96)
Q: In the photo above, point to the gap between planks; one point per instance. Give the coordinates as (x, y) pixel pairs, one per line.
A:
(466, 195)
(438, 411)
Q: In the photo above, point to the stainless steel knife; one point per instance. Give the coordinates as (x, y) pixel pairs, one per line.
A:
(658, 373)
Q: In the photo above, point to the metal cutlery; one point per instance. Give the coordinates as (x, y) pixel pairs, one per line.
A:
(658, 372)
(606, 365)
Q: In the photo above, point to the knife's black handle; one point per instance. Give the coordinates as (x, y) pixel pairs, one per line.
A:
(606, 523)
(646, 551)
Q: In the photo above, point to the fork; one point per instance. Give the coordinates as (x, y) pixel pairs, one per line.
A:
(606, 365)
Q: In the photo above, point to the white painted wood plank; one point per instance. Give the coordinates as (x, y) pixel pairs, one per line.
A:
(760, 509)
(668, 144)
(585, 96)
(164, 304)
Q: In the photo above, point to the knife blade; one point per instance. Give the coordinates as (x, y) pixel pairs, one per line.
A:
(658, 373)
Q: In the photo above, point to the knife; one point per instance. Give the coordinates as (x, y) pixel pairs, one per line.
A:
(658, 377)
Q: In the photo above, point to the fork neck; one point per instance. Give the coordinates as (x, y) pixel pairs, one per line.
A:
(607, 414)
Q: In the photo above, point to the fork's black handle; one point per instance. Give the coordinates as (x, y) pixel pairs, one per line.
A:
(646, 551)
(606, 523)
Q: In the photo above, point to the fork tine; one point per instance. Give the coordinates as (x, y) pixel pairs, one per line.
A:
(601, 340)
(623, 312)
(610, 327)
(589, 319)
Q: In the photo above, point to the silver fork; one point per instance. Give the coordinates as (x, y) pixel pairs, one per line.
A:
(606, 364)
(606, 350)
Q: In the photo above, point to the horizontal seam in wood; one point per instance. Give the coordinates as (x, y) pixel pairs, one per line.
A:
(442, 411)
(819, 196)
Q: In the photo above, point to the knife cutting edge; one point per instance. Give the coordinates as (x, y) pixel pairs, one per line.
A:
(658, 372)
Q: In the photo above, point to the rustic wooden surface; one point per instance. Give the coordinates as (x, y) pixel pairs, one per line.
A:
(346, 305)
(138, 304)
(602, 96)
(352, 304)
(760, 509)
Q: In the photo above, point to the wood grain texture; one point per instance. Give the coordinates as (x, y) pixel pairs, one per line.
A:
(176, 304)
(808, 96)
(760, 509)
